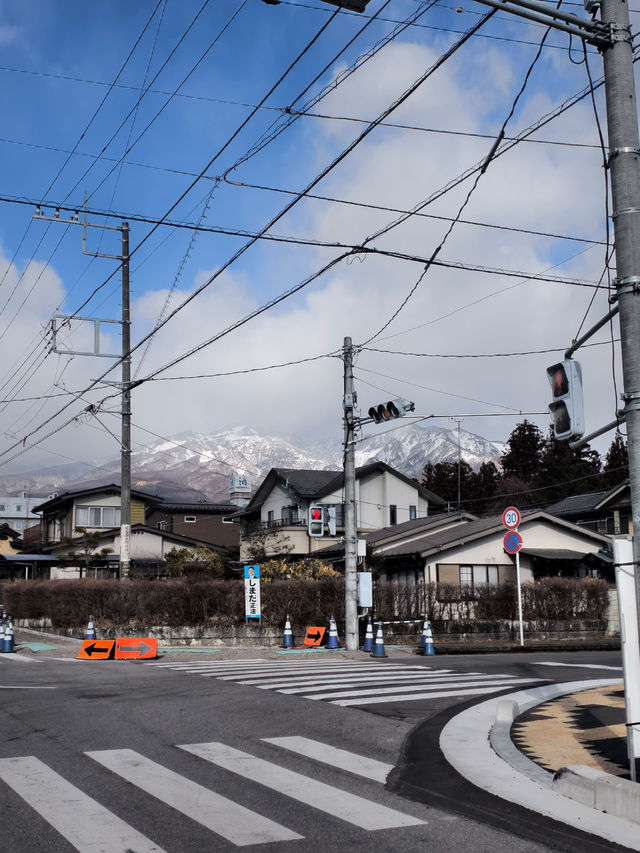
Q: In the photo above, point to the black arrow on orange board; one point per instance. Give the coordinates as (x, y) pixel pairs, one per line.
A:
(140, 646)
(315, 636)
(96, 648)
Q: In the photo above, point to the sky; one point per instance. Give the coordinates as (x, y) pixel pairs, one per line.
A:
(182, 118)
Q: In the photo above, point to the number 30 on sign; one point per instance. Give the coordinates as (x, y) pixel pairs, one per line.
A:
(511, 518)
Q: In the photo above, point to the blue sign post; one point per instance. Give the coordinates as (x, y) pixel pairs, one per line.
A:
(252, 592)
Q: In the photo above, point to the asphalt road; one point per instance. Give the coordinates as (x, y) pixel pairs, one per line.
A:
(125, 756)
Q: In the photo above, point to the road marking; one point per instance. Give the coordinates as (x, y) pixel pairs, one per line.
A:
(326, 798)
(577, 665)
(19, 687)
(302, 684)
(397, 672)
(361, 689)
(86, 825)
(443, 694)
(13, 658)
(490, 682)
(237, 824)
(359, 765)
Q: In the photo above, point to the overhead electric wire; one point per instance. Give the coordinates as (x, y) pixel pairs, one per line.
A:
(546, 351)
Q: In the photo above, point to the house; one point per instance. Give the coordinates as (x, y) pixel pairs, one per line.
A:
(278, 511)
(607, 511)
(466, 550)
(93, 508)
(14, 564)
(207, 522)
(17, 511)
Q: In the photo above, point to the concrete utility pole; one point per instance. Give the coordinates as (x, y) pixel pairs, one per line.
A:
(125, 456)
(624, 167)
(350, 519)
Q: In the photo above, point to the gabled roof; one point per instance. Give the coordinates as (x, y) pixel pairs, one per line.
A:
(109, 532)
(311, 484)
(443, 540)
(589, 502)
(7, 532)
(197, 507)
(65, 497)
(417, 525)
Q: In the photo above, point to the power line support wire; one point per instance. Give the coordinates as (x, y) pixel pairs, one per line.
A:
(125, 457)
(624, 165)
(350, 520)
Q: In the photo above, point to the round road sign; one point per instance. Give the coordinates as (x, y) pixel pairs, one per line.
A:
(512, 542)
(511, 518)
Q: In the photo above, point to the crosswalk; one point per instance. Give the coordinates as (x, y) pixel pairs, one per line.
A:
(350, 683)
(90, 826)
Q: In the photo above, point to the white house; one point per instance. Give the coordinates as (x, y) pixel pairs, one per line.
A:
(280, 506)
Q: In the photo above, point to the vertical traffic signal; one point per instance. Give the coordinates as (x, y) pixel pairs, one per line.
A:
(316, 521)
(566, 406)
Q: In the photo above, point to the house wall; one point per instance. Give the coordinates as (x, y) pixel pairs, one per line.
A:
(208, 526)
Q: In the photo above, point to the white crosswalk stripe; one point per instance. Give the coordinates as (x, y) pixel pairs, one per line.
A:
(346, 683)
(90, 827)
(14, 658)
(327, 798)
(85, 824)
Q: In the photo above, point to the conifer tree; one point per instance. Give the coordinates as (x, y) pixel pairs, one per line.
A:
(616, 463)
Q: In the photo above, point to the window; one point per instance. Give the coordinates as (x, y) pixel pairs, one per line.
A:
(18, 507)
(478, 575)
(161, 525)
(412, 513)
(3, 508)
(289, 514)
(190, 519)
(270, 518)
(97, 516)
(393, 514)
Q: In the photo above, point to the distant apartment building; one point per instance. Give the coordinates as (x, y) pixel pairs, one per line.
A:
(18, 512)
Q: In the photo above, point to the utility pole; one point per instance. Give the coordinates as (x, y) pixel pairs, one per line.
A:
(350, 519)
(624, 167)
(125, 457)
(124, 356)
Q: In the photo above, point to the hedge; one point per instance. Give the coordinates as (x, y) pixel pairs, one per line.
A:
(190, 602)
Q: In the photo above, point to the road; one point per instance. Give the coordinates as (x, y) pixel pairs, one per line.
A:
(131, 756)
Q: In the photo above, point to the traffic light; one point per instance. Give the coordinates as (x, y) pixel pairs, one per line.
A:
(392, 409)
(566, 406)
(316, 521)
(351, 5)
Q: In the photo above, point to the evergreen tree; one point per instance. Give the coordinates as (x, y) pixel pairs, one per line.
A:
(565, 471)
(442, 479)
(482, 487)
(521, 459)
(616, 463)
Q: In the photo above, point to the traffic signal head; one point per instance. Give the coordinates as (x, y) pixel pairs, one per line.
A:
(566, 406)
(392, 409)
(316, 520)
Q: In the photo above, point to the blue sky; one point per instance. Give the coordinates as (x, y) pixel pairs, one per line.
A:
(59, 60)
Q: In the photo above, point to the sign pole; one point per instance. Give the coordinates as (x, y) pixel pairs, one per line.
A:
(519, 597)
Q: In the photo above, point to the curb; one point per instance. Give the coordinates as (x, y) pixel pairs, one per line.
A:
(467, 744)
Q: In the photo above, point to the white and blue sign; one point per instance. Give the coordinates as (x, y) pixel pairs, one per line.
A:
(252, 592)
(512, 542)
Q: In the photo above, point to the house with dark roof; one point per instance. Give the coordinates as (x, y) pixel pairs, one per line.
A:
(463, 550)
(607, 511)
(280, 506)
(206, 522)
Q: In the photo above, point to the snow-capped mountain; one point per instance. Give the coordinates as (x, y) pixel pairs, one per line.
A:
(193, 466)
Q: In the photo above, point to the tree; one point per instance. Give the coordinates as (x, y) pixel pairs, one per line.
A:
(90, 555)
(311, 569)
(195, 561)
(442, 479)
(482, 486)
(565, 471)
(616, 463)
(521, 459)
(262, 543)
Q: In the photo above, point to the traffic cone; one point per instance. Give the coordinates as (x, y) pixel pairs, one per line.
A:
(423, 638)
(7, 643)
(427, 640)
(378, 649)
(287, 640)
(91, 632)
(2, 630)
(332, 642)
(368, 638)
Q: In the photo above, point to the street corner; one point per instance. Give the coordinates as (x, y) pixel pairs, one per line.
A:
(585, 728)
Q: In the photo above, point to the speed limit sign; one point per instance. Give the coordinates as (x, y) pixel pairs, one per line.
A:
(511, 518)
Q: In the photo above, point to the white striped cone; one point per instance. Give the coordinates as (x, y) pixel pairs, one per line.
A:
(287, 640)
(91, 631)
(368, 638)
(378, 649)
(2, 630)
(423, 639)
(429, 648)
(8, 644)
(333, 634)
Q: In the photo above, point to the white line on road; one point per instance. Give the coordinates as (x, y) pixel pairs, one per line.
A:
(19, 687)
(332, 678)
(442, 694)
(360, 765)
(86, 825)
(341, 804)
(578, 665)
(14, 658)
(362, 689)
(237, 824)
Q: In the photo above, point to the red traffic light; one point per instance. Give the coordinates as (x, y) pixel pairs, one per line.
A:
(316, 514)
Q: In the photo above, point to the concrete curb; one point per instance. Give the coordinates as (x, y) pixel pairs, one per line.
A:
(465, 743)
(600, 790)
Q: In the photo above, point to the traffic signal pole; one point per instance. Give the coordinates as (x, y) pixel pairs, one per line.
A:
(350, 521)
(624, 167)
